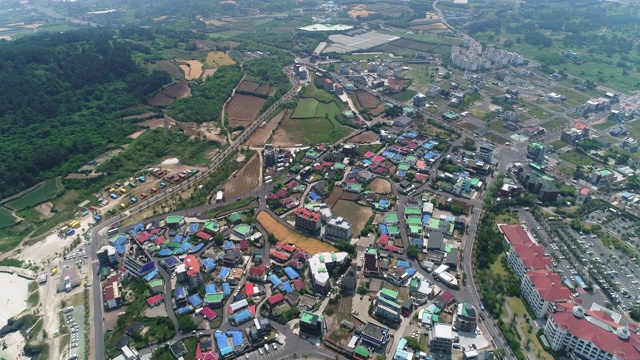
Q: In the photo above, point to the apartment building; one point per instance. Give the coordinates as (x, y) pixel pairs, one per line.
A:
(308, 221)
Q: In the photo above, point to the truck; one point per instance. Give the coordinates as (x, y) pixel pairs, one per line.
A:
(134, 200)
(132, 185)
(142, 179)
(194, 171)
(143, 195)
(163, 184)
(70, 232)
(182, 175)
(113, 196)
(97, 218)
(154, 190)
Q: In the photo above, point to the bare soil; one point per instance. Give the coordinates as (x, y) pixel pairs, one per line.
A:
(245, 180)
(141, 116)
(262, 134)
(192, 69)
(45, 209)
(281, 138)
(380, 186)
(365, 137)
(367, 100)
(243, 109)
(178, 90)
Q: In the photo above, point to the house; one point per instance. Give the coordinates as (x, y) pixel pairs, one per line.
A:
(374, 335)
(441, 338)
(387, 309)
(466, 317)
(402, 121)
(511, 116)
(328, 85)
(257, 273)
(312, 324)
(602, 177)
(630, 144)
(485, 152)
(178, 349)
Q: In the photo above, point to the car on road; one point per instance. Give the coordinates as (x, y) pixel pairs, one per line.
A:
(260, 351)
(482, 307)
(355, 313)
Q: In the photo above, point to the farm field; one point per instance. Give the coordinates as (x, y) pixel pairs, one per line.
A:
(360, 10)
(264, 132)
(174, 92)
(355, 214)
(366, 100)
(284, 234)
(6, 219)
(309, 132)
(306, 108)
(170, 67)
(243, 108)
(331, 109)
(192, 69)
(365, 137)
(311, 91)
(252, 87)
(245, 180)
(380, 186)
(39, 194)
(219, 58)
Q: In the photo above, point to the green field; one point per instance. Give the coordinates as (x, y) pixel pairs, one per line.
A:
(554, 124)
(605, 125)
(570, 94)
(404, 95)
(496, 138)
(331, 109)
(44, 192)
(497, 126)
(538, 112)
(577, 158)
(6, 219)
(312, 91)
(634, 129)
(306, 108)
(421, 76)
(315, 131)
(558, 144)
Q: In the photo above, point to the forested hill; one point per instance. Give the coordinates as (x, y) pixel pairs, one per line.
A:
(61, 98)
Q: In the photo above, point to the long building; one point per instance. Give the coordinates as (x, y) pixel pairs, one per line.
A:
(542, 290)
(321, 266)
(524, 254)
(592, 335)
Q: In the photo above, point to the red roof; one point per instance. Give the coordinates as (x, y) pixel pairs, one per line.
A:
(144, 236)
(209, 313)
(244, 244)
(383, 239)
(154, 300)
(327, 164)
(275, 299)
(252, 309)
(279, 245)
(369, 154)
(203, 235)
(280, 255)
(602, 338)
(302, 212)
(549, 285)
(155, 231)
(192, 265)
(248, 289)
(391, 248)
(159, 240)
(350, 181)
(581, 126)
(584, 191)
(289, 248)
(298, 284)
(447, 297)
(292, 184)
(208, 355)
(532, 257)
(317, 167)
(258, 270)
(109, 294)
(515, 234)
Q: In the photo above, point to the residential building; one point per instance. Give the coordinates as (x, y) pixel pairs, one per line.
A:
(583, 195)
(257, 273)
(107, 255)
(420, 101)
(590, 335)
(312, 324)
(441, 338)
(524, 254)
(602, 177)
(630, 144)
(575, 134)
(374, 335)
(388, 309)
(137, 261)
(466, 318)
(322, 265)
(337, 229)
(308, 221)
(535, 151)
(402, 121)
(553, 97)
(189, 272)
(485, 153)
(371, 262)
(542, 289)
(538, 184)
(510, 116)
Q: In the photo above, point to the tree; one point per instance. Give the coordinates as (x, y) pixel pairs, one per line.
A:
(413, 251)
(272, 239)
(218, 239)
(186, 323)
(362, 289)
(413, 343)
(469, 144)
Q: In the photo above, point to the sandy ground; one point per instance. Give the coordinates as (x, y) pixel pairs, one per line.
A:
(45, 209)
(136, 134)
(13, 300)
(171, 161)
(15, 344)
(264, 132)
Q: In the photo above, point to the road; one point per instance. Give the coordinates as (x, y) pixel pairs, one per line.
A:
(97, 348)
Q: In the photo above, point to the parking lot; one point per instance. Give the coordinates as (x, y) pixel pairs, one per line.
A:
(262, 354)
(77, 331)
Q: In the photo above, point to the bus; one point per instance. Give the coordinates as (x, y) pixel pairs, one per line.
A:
(112, 231)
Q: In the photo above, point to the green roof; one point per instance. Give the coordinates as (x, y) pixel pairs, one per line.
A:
(464, 309)
(434, 223)
(605, 172)
(414, 282)
(372, 251)
(391, 217)
(339, 166)
(449, 114)
(389, 293)
(156, 282)
(174, 219)
(212, 226)
(412, 211)
(362, 351)
(243, 229)
(309, 317)
(393, 229)
(415, 229)
(475, 181)
(536, 145)
(389, 303)
(411, 158)
(404, 167)
(535, 165)
(235, 217)
(213, 298)
(414, 220)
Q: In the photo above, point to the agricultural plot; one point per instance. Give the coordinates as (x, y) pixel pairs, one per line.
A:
(262, 134)
(306, 109)
(192, 69)
(244, 108)
(308, 131)
(330, 109)
(245, 180)
(380, 186)
(577, 158)
(554, 124)
(169, 66)
(284, 234)
(366, 100)
(355, 214)
(219, 58)
(365, 137)
(40, 193)
(6, 219)
(174, 92)
(252, 87)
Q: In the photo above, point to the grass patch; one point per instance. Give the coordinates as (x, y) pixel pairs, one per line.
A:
(14, 263)
(498, 126)
(577, 158)
(230, 207)
(34, 299)
(363, 149)
(355, 214)
(421, 76)
(538, 112)
(305, 109)
(314, 131)
(605, 125)
(554, 124)
(469, 126)
(11, 237)
(6, 219)
(497, 268)
(565, 169)
(311, 91)
(558, 144)
(570, 94)
(404, 95)
(496, 138)
(38, 194)
(518, 308)
(507, 219)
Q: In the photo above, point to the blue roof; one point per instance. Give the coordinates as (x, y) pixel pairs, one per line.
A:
(383, 202)
(383, 229)
(226, 289)
(221, 341)
(228, 245)
(185, 246)
(197, 248)
(193, 228)
(292, 274)
(241, 316)
(183, 310)
(388, 154)
(195, 300)
(627, 195)
(274, 280)
(410, 271)
(178, 238)
(208, 263)
(286, 287)
(427, 146)
(429, 156)
(401, 173)
(417, 242)
(210, 289)
(403, 264)
(410, 134)
(180, 293)
(367, 162)
(398, 157)
(224, 273)
(121, 249)
(171, 261)
(314, 196)
(425, 219)
(151, 275)
(237, 338)
(121, 240)
(165, 252)
(136, 229)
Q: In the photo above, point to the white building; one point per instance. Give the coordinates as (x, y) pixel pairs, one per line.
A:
(441, 338)
(542, 289)
(337, 229)
(485, 153)
(321, 266)
(590, 335)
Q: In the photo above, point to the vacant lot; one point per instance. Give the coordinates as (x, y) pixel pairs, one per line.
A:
(6, 219)
(243, 108)
(365, 137)
(219, 58)
(496, 138)
(284, 234)
(554, 124)
(334, 197)
(498, 126)
(367, 100)
(308, 132)
(380, 186)
(262, 134)
(305, 109)
(38, 194)
(245, 180)
(360, 10)
(355, 214)
(577, 158)
(192, 69)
